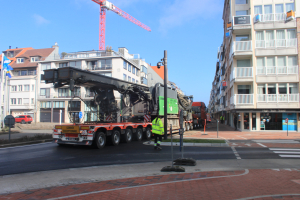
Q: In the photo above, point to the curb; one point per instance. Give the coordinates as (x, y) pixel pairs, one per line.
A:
(25, 143)
(190, 144)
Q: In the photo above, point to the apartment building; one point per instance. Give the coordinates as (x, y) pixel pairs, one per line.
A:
(57, 104)
(257, 69)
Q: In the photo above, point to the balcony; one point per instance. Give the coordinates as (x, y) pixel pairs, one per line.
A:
(241, 48)
(278, 100)
(276, 47)
(241, 74)
(276, 43)
(242, 101)
(277, 74)
(241, 24)
(102, 67)
(272, 21)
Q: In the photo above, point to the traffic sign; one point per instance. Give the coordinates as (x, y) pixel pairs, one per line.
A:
(286, 120)
(80, 115)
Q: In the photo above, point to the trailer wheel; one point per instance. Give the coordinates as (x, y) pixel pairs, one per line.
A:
(138, 134)
(100, 140)
(115, 137)
(127, 137)
(147, 134)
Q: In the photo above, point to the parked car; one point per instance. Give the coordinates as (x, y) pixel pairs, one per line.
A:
(23, 119)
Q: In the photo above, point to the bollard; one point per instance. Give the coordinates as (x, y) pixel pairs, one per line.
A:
(217, 128)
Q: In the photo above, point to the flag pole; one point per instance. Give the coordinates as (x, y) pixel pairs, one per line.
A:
(1, 89)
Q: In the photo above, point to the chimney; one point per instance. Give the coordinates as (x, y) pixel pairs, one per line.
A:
(9, 47)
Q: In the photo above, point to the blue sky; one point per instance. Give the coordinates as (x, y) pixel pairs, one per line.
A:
(190, 30)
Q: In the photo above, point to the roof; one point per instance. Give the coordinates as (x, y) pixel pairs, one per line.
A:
(42, 53)
(21, 51)
(159, 71)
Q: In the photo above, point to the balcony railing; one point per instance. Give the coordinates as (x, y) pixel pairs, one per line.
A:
(276, 43)
(242, 46)
(270, 17)
(241, 99)
(102, 67)
(277, 98)
(243, 72)
(284, 70)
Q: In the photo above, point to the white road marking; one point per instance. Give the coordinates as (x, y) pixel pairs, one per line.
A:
(277, 141)
(236, 153)
(243, 137)
(286, 152)
(261, 145)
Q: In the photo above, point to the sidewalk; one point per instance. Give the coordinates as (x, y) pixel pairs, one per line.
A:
(237, 184)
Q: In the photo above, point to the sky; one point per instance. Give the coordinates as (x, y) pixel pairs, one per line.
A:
(190, 30)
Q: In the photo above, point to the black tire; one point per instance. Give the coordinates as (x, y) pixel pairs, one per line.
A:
(138, 134)
(127, 136)
(22, 122)
(100, 140)
(115, 137)
(29, 122)
(147, 133)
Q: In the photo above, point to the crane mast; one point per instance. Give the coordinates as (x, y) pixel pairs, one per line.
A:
(106, 5)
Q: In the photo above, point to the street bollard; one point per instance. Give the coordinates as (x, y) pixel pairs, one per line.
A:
(217, 128)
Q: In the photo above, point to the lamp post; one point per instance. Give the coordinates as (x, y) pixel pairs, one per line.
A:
(165, 91)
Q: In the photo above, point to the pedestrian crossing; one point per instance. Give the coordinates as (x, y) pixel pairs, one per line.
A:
(286, 152)
(278, 141)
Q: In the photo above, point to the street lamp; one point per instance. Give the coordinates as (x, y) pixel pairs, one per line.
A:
(159, 64)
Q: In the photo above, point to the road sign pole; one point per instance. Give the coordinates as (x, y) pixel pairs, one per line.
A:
(9, 130)
(217, 128)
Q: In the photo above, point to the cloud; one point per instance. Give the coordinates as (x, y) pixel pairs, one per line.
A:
(183, 11)
(39, 20)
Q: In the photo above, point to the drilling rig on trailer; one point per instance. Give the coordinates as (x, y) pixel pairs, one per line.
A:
(132, 116)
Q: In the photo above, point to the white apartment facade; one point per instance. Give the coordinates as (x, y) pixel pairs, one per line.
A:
(54, 103)
(257, 71)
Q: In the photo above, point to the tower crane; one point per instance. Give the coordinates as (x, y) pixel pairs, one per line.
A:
(106, 5)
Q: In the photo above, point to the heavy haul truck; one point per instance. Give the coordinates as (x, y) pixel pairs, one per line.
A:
(106, 119)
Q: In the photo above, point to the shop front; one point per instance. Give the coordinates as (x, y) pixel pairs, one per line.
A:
(276, 121)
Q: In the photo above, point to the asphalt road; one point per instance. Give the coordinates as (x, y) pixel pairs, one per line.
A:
(50, 156)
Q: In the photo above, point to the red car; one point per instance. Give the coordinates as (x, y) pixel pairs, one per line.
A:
(23, 119)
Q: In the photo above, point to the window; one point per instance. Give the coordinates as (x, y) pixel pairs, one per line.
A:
(268, 9)
(129, 79)
(13, 88)
(26, 88)
(45, 104)
(260, 62)
(19, 101)
(270, 39)
(124, 77)
(257, 10)
(13, 101)
(241, 12)
(32, 72)
(20, 60)
(24, 72)
(46, 66)
(244, 63)
(282, 89)
(61, 65)
(144, 69)
(125, 65)
(34, 59)
(144, 80)
(64, 92)
(26, 101)
(137, 72)
(105, 64)
(32, 87)
(32, 101)
(45, 92)
(58, 104)
(291, 34)
(289, 7)
(242, 38)
(261, 89)
(241, 1)
(129, 67)
(76, 64)
(281, 61)
(293, 88)
(271, 61)
(279, 8)
(292, 61)
(133, 70)
(271, 89)
(133, 80)
(244, 89)
(20, 88)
